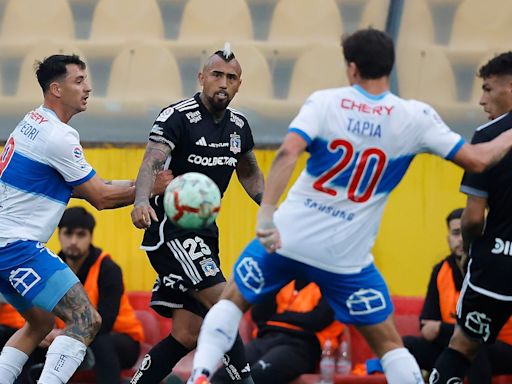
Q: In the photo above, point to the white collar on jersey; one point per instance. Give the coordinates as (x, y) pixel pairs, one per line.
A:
(50, 111)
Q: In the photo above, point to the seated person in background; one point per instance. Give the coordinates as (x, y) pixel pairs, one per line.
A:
(437, 319)
(291, 328)
(117, 344)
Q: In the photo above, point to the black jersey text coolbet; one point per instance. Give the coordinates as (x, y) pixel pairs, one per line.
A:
(198, 144)
(491, 255)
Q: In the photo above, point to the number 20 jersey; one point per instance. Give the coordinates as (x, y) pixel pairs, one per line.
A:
(360, 147)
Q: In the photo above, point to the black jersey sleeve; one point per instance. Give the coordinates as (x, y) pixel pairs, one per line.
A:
(167, 128)
(475, 184)
(249, 141)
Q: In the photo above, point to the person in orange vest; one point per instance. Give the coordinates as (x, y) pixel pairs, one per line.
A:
(291, 329)
(438, 317)
(117, 344)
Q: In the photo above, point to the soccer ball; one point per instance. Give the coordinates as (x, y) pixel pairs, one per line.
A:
(192, 200)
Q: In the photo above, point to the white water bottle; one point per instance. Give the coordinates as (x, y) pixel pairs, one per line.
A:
(344, 361)
(327, 363)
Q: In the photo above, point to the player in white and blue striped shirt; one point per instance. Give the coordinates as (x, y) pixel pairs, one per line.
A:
(361, 140)
(41, 165)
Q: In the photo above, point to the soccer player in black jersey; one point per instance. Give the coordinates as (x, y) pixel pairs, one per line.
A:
(199, 134)
(485, 304)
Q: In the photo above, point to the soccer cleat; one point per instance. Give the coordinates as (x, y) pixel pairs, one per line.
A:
(199, 376)
(202, 379)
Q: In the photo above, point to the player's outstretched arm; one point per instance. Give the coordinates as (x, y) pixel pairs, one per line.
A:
(282, 167)
(279, 176)
(250, 176)
(155, 156)
(121, 183)
(162, 180)
(103, 195)
(477, 158)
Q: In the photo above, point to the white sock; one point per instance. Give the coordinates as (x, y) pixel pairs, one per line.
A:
(400, 367)
(12, 361)
(64, 356)
(218, 334)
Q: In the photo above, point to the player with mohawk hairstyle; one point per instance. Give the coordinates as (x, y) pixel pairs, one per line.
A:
(200, 134)
(226, 52)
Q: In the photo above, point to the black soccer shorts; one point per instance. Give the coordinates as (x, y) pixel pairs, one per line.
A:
(482, 317)
(184, 264)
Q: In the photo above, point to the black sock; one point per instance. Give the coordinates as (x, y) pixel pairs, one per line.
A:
(159, 361)
(236, 364)
(450, 364)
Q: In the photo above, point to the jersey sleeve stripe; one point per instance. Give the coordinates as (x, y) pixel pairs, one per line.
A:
(41, 179)
(473, 191)
(184, 103)
(237, 112)
(83, 179)
(187, 107)
(302, 134)
(160, 139)
(455, 149)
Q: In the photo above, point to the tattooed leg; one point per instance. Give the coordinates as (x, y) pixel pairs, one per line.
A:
(67, 351)
(81, 319)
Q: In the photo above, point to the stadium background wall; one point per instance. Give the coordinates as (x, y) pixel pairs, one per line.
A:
(412, 237)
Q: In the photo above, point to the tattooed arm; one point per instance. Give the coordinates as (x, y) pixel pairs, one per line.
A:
(250, 176)
(154, 160)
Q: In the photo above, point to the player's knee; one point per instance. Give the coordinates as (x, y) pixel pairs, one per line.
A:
(460, 342)
(90, 325)
(210, 296)
(188, 340)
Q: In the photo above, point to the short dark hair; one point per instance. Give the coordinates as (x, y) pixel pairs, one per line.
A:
(371, 50)
(77, 217)
(499, 65)
(54, 67)
(455, 214)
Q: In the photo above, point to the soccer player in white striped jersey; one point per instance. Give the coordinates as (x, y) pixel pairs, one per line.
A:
(41, 165)
(361, 140)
